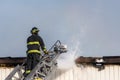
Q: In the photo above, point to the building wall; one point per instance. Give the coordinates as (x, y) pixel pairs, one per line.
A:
(111, 72)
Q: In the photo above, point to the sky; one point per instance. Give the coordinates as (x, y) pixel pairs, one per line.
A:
(93, 24)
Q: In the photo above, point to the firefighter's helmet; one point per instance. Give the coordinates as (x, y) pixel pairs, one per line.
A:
(34, 30)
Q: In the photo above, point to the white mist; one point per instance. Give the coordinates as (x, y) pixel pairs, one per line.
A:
(67, 60)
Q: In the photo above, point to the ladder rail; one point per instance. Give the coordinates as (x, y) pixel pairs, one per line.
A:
(54, 68)
(17, 69)
(9, 77)
(57, 42)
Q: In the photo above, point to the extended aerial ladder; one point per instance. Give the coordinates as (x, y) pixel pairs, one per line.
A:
(44, 69)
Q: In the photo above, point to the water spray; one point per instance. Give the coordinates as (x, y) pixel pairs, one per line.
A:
(67, 60)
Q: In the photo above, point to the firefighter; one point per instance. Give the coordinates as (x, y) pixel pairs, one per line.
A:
(34, 46)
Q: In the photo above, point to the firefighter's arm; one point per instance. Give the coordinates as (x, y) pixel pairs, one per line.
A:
(43, 46)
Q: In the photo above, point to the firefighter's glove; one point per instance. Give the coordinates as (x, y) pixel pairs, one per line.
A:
(46, 52)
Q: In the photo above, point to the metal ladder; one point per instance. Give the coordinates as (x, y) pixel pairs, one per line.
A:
(44, 69)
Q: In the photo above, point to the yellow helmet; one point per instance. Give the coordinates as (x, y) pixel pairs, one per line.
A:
(34, 30)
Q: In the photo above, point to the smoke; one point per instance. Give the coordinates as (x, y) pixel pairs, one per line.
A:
(67, 60)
